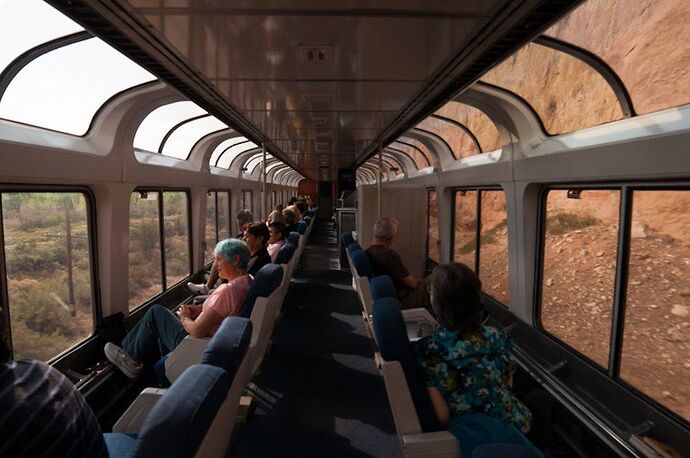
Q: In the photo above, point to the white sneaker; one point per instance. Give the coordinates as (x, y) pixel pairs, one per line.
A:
(122, 360)
(197, 288)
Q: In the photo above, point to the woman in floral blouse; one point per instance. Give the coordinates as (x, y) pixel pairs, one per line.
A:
(467, 368)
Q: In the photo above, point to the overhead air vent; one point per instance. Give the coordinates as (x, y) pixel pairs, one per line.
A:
(315, 52)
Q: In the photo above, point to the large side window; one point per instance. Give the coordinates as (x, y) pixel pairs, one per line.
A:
(247, 201)
(217, 221)
(579, 269)
(157, 218)
(481, 234)
(432, 252)
(46, 241)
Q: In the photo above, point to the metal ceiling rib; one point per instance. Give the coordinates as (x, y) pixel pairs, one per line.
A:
(113, 23)
(519, 22)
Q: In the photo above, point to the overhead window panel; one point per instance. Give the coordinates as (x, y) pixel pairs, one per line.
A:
(225, 144)
(420, 160)
(643, 41)
(63, 89)
(254, 161)
(459, 141)
(226, 158)
(180, 142)
(28, 23)
(160, 121)
(566, 93)
(476, 121)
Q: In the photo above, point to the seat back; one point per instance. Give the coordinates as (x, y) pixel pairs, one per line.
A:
(382, 286)
(180, 419)
(293, 237)
(301, 227)
(362, 263)
(264, 311)
(285, 253)
(266, 280)
(347, 238)
(393, 344)
(229, 344)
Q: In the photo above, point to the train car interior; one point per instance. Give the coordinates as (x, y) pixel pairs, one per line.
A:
(258, 201)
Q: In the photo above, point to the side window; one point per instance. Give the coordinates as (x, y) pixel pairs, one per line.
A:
(432, 252)
(656, 340)
(579, 268)
(211, 236)
(247, 201)
(46, 242)
(157, 218)
(223, 208)
(493, 245)
(465, 237)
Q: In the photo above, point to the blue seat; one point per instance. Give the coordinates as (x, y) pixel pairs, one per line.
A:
(306, 219)
(362, 264)
(354, 247)
(393, 343)
(178, 422)
(301, 227)
(266, 280)
(293, 237)
(286, 252)
(382, 286)
(502, 450)
(347, 238)
(229, 344)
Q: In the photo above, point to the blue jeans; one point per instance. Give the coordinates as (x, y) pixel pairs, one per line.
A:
(158, 332)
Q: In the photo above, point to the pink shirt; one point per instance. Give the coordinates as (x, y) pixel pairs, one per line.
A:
(274, 248)
(228, 298)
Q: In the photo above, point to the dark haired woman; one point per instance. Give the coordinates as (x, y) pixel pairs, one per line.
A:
(256, 237)
(467, 368)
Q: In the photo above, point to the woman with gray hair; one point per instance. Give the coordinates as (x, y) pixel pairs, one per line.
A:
(160, 328)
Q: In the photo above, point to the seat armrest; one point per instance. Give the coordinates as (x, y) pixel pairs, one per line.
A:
(131, 421)
(440, 444)
(419, 314)
(188, 352)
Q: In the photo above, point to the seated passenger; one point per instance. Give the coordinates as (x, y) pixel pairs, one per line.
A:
(290, 220)
(276, 216)
(412, 291)
(276, 239)
(301, 205)
(160, 328)
(467, 367)
(256, 237)
(244, 217)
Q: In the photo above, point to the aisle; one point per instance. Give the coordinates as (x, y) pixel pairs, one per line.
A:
(319, 393)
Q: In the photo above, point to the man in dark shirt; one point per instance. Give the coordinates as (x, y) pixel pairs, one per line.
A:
(412, 291)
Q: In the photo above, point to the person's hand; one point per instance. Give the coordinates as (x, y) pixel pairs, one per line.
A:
(183, 311)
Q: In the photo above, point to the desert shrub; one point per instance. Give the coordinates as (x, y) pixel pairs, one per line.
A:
(562, 223)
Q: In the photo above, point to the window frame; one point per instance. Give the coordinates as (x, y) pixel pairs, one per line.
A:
(477, 230)
(215, 192)
(251, 200)
(161, 239)
(97, 315)
(626, 189)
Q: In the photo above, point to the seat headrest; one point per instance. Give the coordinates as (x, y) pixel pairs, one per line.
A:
(266, 280)
(227, 347)
(285, 253)
(382, 286)
(293, 237)
(307, 219)
(391, 336)
(301, 227)
(180, 419)
(354, 246)
(362, 264)
(347, 238)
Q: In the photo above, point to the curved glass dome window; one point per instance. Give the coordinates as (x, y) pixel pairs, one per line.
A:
(26, 24)
(231, 153)
(476, 122)
(643, 41)
(255, 161)
(461, 142)
(224, 145)
(567, 94)
(181, 140)
(415, 149)
(63, 89)
(154, 128)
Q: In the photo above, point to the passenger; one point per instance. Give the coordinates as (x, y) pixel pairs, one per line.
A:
(244, 217)
(256, 237)
(290, 220)
(412, 291)
(277, 238)
(276, 216)
(159, 328)
(279, 208)
(467, 367)
(301, 205)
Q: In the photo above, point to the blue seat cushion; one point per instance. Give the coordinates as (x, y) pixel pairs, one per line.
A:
(285, 253)
(382, 286)
(293, 237)
(120, 445)
(159, 369)
(301, 227)
(354, 246)
(180, 419)
(391, 336)
(229, 344)
(266, 280)
(362, 264)
(347, 238)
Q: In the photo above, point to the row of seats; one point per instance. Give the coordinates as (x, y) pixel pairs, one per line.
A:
(391, 330)
(239, 347)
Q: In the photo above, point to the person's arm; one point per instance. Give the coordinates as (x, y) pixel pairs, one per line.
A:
(411, 281)
(190, 311)
(203, 324)
(439, 404)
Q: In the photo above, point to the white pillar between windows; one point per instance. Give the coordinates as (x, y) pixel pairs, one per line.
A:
(380, 171)
(263, 181)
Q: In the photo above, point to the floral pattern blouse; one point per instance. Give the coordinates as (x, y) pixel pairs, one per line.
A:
(472, 372)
